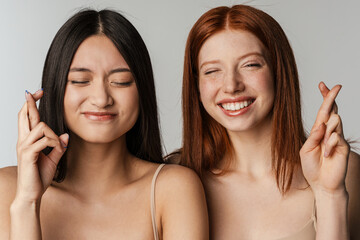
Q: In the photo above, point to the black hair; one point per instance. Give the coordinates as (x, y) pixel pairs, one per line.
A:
(143, 140)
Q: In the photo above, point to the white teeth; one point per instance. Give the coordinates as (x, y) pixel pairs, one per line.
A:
(236, 106)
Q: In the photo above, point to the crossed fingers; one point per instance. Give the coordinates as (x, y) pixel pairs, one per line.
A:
(328, 108)
(28, 116)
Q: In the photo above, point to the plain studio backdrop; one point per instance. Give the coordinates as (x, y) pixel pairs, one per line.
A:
(324, 34)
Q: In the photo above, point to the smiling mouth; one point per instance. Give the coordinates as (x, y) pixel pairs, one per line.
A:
(236, 106)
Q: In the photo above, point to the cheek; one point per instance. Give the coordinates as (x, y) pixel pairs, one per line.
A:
(263, 83)
(207, 91)
(72, 99)
(130, 102)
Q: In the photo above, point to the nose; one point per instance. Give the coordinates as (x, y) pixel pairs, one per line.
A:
(233, 83)
(100, 95)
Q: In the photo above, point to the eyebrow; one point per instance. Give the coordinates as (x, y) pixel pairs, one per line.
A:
(116, 70)
(79, 70)
(243, 56)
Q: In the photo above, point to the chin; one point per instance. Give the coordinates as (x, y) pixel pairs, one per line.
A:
(237, 125)
(237, 128)
(99, 137)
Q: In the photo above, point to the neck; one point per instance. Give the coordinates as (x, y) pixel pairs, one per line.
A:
(252, 149)
(94, 169)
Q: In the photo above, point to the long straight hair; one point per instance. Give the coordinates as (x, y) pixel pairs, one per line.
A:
(205, 141)
(143, 140)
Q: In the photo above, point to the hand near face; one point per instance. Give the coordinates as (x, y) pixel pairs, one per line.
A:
(35, 169)
(325, 153)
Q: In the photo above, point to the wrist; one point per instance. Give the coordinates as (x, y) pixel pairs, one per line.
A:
(331, 214)
(25, 219)
(22, 206)
(337, 194)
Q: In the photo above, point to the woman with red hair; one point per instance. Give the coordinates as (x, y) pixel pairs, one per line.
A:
(243, 134)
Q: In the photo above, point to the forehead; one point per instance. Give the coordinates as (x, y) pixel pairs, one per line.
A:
(96, 52)
(230, 43)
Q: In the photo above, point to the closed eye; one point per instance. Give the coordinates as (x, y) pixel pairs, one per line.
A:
(210, 72)
(79, 82)
(121, 84)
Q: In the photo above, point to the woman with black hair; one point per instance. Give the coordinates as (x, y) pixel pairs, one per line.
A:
(89, 159)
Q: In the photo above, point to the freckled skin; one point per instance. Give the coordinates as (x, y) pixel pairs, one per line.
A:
(233, 64)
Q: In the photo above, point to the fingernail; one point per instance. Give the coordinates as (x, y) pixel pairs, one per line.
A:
(26, 94)
(64, 145)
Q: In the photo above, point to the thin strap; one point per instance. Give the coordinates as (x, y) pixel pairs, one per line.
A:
(152, 202)
(314, 214)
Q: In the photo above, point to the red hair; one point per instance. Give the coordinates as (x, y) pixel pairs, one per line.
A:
(205, 141)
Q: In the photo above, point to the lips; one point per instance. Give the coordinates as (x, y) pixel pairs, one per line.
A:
(99, 116)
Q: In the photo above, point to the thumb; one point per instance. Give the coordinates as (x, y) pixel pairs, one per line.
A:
(57, 152)
(315, 138)
(48, 165)
(64, 139)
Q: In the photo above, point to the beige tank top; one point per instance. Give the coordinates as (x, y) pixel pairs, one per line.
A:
(152, 202)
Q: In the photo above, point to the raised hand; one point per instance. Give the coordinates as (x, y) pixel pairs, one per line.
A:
(325, 153)
(35, 169)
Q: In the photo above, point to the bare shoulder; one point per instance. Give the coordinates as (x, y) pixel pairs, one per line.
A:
(353, 188)
(181, 203)
(177, 178)
(8, 181)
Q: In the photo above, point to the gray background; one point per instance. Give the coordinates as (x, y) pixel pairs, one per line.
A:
(324, 35)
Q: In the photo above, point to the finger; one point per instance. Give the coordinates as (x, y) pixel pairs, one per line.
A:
(57, 152)
(323, 89)
(64, 139)
(333, 125)
(326, 107)
(324, 92)
(33, 113)
(43, 143)
(33, 151)
(23, 123)
(41, 130)
(38, 94)
(314, 139)
(331, 144)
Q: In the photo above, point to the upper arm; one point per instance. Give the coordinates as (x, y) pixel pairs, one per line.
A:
(8, 178)
(353, 188)
(182, 205)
